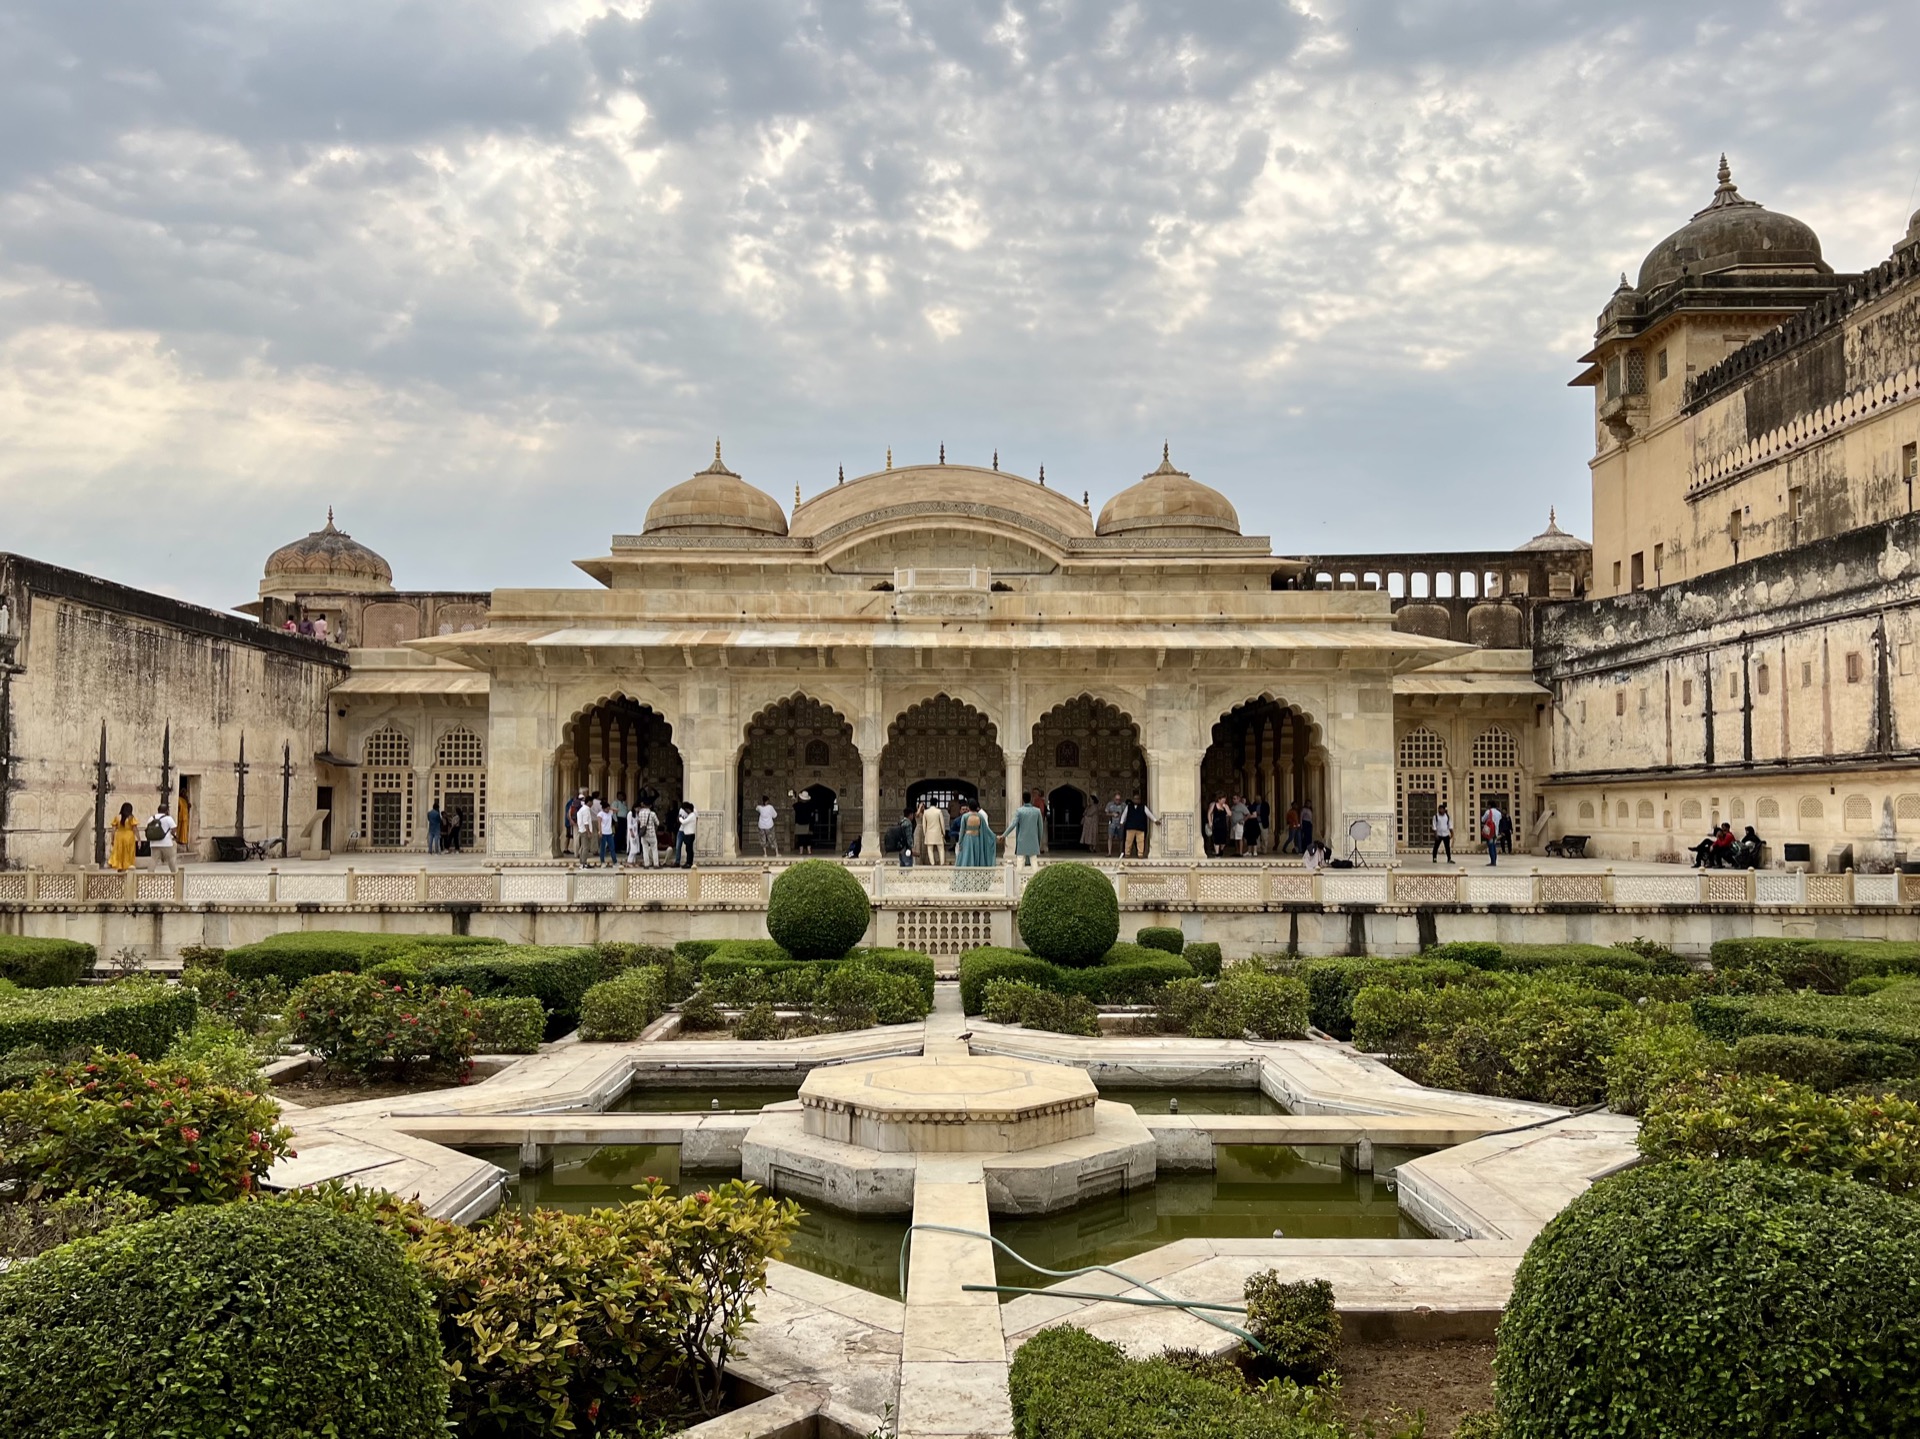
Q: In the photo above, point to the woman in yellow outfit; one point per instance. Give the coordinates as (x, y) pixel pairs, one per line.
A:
(126, 835)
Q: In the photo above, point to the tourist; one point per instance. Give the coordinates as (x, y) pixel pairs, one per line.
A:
(433, 828)
(1256, 827)
(619, 824)
(1306, 827)
(1116, 822)
(290, 627)
(1442, 834)
(586, 833)
(569, 825)
(320, 628)
(1746, 854)
(766, 814)
(451, 837)
(1219, 825)
(1137, 820)
(605, 819)
(126, 839)
(933, 833)
(646, 826)
(1506, 833)
(1024, 830)
(1292, 843)
(689, 817)
(306, 627)
(1490, 832)
(1089, 827)
(160, 832)
(1263, 812)
(1238, 814)
(899, 838)
(976, 849)
(803, 821)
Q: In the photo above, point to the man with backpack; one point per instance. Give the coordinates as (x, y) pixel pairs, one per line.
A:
(1490, 832)
(159, 834)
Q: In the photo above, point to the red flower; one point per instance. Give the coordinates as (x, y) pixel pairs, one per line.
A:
(191, 1135)
(703, 1197)
(93, 1069)
(193, 1169)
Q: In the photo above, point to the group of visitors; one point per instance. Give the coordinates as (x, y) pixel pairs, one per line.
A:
(128, 839)
(814, 818)
(315, 628)
(1720, 850)
(1237, 827)
(445, 830)
(608, 834)
(925, 832)
(1129, 824)
(1496, 832)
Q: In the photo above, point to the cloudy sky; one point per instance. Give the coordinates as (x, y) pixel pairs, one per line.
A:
(486, 277)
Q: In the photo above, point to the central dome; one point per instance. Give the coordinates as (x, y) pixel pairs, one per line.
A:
(1168, 502)
(940, 497)
(1730, 232)
(716, 502)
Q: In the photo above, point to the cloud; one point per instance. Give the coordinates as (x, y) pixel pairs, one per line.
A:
(489, 276)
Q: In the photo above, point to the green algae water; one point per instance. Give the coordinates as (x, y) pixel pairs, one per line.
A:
(1256, 1190)
(856, 1250)
(1195, 1101)
(680, 1099)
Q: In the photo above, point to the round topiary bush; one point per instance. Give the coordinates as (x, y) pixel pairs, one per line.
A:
(222, 1320)
(817, 910)
(1716, 1298)
(1070, 914)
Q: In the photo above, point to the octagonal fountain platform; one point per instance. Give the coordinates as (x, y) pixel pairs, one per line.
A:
(859, 1131)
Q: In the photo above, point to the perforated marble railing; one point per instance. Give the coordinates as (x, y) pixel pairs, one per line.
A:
(1141, 886)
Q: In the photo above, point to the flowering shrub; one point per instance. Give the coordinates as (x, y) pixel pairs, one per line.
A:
(252, 1006)
(355, 1022)
(162, 1130)
(508, 1026)
(607, 1322)
(622, 1007)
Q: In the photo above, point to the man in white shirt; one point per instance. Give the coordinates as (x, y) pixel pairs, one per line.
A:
(1442, 834)
(645, 826)
(689, 816)
(162, 846)
(606, 836)
(933, 833)
(767, 815)
(586, 832)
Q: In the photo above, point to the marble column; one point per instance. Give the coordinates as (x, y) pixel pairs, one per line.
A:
(870, 805)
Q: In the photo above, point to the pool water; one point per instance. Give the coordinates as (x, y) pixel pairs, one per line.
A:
(664, 1099)
(856, 1250)
(1255, 1190)
(1196, 1101)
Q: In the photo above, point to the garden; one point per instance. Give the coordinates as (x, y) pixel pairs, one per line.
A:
(1757, 1272)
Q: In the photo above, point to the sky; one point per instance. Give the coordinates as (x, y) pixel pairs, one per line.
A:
(486, 277)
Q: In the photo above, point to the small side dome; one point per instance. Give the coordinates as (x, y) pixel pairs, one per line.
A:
(715, 502)
(1911, 244)
(1168, 502)
(329, 559)
(1553, 538)
(1732, 231)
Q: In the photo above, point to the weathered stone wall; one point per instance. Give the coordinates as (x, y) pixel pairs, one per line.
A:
(1783, 692)
(84, 651)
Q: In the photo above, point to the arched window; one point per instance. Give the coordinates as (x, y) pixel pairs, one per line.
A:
(1858, 813)
(386, 790)
(459, 783)
(818, 755)
(1586, 809)
(1766, 809)
(1066, 755)
(1421, 779)
(1690, 811)
(1811, 808)
(1737, 809)
(1644, 811)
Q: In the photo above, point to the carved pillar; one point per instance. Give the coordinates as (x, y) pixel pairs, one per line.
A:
(870, 804)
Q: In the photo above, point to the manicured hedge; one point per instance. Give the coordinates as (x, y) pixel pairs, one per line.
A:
(1828, 965)
(1164, 937)
(1066, 1384)
(43, 963)
(1131, 974)
(136, 1016)
(1204, 957)
(1529, 958)
(298, 955)
(1333, 983)
(817, 910)
(558, 976)
(508, 1026)
(621, 1008)
(221, 1321)
(741, 956)
(1716, 1298)
(697, 950)
(1823, 1064)
(1069, 914)
(1853, 1019)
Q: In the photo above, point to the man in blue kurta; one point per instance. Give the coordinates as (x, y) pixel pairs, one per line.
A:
(1024, 830)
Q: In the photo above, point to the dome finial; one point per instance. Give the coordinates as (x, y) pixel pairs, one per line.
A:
(1725, 193)
(719, 466)
(1166, 456)
(796, 494)
(996, 459)
(843, 474)
(1553, 517)
(1726, 170)
(329, 516)
(889, 456)
(943, 454)
(1043, 477)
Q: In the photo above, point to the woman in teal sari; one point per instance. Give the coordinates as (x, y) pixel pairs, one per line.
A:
(976, 839)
